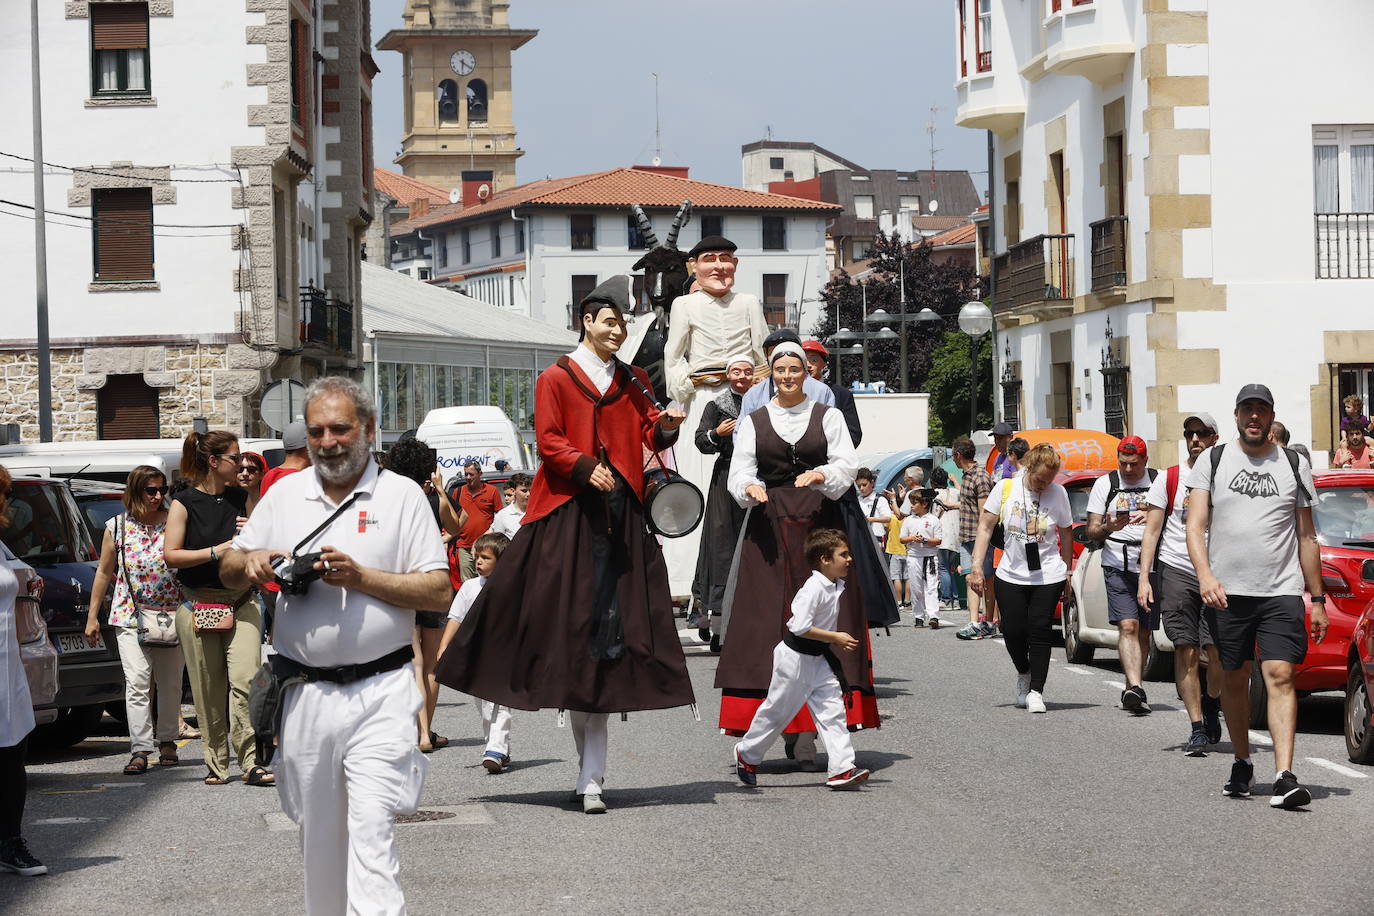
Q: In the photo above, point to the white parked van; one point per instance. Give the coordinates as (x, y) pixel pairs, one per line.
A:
(112, 459)
(482, 434)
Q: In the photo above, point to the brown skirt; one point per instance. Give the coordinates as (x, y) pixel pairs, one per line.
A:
(535, 638)
(772, 568)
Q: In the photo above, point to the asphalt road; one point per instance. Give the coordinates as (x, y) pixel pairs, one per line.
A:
(974, 807)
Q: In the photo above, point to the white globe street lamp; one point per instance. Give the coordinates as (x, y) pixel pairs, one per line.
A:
(975, 320)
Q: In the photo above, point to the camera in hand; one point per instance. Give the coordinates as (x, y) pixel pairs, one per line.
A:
(294, 574)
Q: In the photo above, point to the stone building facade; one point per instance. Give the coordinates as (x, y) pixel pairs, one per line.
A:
(257, 173)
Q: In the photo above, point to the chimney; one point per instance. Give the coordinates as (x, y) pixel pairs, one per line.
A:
(478, 187)
(417, 207)
(677, 171)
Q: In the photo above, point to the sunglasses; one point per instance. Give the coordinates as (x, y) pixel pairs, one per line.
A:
(234, 458)
(249, 469)
(156, 491)
(1198, 433)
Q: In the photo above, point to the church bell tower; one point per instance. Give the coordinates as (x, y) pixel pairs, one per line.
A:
(457, 84)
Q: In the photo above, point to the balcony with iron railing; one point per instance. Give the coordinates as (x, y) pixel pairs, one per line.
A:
(1088, 39)
(326, 322)
(1108, 253)
(1344, 246)
(1036, 276)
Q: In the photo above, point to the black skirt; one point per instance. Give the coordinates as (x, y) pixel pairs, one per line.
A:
(719, 534)
(576, 615)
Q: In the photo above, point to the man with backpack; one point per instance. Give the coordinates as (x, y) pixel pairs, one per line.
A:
(1180, 598)
(1116, 516)
(1251, 539)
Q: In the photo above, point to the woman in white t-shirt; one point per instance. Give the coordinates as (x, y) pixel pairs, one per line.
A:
(1034, 573)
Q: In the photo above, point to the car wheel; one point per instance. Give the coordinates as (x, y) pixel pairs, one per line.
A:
(74, 724)
(117, 711)
(1075, 651)
(1359, 736)
(1159, 666)
(1259, 698)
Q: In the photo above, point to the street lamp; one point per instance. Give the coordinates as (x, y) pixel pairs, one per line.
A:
(883, 317)
(975, 320)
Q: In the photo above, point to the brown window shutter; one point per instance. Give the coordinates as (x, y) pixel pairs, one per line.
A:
(124, 234)
(126, 408)
(119, 25)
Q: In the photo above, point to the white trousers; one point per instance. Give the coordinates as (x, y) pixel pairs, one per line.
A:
(923, 581)
(800, 680)
(589, 732)
(348, 764)
(495, 726)
(144, 668)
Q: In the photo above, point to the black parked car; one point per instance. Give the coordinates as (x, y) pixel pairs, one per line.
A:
(47, 531)
(99, 502)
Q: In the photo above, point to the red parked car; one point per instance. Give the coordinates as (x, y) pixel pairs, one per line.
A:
(1359, 685)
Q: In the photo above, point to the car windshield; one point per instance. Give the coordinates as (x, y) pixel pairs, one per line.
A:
(98, 511)
(41, 519)
(1343, 514)
(1078, 502)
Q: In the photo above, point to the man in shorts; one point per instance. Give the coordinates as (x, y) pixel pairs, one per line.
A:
(1251, 539)
(1116, 516)
(1180, 599)
(973, 492)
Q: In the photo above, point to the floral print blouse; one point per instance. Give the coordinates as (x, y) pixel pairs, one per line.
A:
(142, 566)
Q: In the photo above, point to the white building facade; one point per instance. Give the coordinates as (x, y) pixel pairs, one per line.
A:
(206, 202)
(1183, 203)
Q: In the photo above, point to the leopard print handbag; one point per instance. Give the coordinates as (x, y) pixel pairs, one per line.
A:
(211, 618)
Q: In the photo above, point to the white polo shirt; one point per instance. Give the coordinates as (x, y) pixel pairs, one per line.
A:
(389, 527)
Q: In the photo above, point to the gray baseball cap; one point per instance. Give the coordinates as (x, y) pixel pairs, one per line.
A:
(1204, 418)
(293, 437)
(1255, 390)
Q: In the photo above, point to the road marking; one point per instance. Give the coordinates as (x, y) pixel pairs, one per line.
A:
(1075, 670)
(1261, 738)
(1117, 684)
(1337, 768)
(62, 821)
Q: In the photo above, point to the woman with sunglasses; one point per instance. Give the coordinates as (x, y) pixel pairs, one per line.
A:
(251, 468)
(201, 524)
(131, 557)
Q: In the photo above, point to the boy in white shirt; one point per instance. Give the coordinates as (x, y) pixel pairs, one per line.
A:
(922, 533)
(805, 669)
(496, 719)
(507, 520)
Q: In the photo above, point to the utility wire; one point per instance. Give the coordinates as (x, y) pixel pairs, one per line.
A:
(115, 221)
(77, 168)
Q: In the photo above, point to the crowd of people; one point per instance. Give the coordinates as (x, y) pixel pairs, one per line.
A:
(367, 587)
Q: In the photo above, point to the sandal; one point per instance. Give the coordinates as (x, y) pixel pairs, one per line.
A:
(167, 754)
(212, 780)
(437, 741)
(260, 776)
(137, 765)
(188, 733)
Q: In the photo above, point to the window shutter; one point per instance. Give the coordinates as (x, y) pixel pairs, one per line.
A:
(124, 234)
(127, 408)
(115, 26)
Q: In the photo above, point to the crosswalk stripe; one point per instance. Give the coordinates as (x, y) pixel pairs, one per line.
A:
(1337, 768)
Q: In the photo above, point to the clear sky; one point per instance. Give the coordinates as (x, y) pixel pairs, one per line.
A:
(857, 77)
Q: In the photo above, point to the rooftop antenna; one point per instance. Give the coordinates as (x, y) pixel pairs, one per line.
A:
(930, 129)
(658, 139)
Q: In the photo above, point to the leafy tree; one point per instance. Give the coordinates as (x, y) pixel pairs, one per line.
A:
(948, 384)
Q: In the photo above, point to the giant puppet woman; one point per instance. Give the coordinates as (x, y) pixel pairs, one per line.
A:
(576, 615)
(705, 329)
(793, 463)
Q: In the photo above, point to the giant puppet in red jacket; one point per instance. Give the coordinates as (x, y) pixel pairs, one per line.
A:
(577, 614)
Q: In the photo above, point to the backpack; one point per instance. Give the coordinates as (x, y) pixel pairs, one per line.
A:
(1288, 453)
(1171, 487)
(1115, 487)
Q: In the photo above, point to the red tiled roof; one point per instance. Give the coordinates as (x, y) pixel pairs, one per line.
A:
(959, 235)
(618, 188)
(405, 189)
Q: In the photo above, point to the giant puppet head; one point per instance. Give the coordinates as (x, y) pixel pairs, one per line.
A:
(665, 267)
(713, 262)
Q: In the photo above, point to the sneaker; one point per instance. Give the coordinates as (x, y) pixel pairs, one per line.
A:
(15, 857)
(935, 623)
(918, 621)
(1022, 689)
(704, 634)
(851, 778)
(1197, 743)
(1133, 700)
(1211, 719)
(1242, 780)
(747, 772)
(1035, 702)
(1288, 793)
(495, 762)
(988, 630)
(968, 631)
(592, 803)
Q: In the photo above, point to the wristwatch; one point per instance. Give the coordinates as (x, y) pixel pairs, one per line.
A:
(1319, 599)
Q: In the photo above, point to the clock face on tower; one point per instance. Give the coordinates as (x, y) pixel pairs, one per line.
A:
(462, 62)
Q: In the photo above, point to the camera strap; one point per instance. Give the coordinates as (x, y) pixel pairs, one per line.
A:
(326, 523)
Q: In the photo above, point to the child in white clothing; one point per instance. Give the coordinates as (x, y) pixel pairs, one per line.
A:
(496, 719)
(921, 533)
(805, 669)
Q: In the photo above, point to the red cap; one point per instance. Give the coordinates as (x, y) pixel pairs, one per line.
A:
(815, 346)
(1132, 445)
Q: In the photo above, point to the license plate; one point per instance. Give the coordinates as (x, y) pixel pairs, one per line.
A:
(72, 643)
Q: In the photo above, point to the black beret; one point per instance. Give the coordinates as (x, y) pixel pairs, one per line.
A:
(781, 335)
(712, 243)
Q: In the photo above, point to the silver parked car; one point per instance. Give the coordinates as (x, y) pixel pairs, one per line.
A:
(35, 648)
